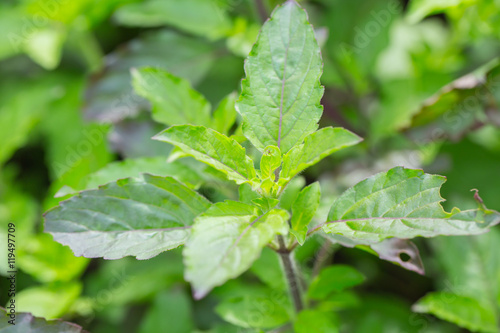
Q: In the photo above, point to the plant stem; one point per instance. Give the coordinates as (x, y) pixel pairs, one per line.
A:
(290, 274)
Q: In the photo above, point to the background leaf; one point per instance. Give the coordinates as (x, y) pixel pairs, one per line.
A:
(50, 302)
(469, 282)
(315, 321)
(400, 251)
(110, 97)
(461, 310)
(334, 279)
(225, 114)
(268, 269)
(258, 311)
(26, 323)
(49, 261)
(180, 170)
(171, 311)
(201, 17)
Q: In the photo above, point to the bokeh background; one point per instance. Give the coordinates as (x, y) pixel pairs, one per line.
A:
(419, 80)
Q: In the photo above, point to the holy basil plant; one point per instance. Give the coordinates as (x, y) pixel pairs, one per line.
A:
(280, 108)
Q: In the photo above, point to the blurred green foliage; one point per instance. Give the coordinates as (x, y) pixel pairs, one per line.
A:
(419, 81)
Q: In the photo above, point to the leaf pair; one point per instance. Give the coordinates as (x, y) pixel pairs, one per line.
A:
(146, 216)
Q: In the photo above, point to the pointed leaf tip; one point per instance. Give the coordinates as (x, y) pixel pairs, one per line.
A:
(276, 110)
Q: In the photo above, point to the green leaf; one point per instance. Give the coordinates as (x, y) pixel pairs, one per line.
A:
(212, 148)
(405, 84)
(127, 276)
(312, 321)
(280, 98)
(226, 240)
(41, 42)
(270, 161)
(64, 132)
(131, 138)
(48, 261)
(419, 9)
(347, 299)
(16, 206)
(18, 114)
(303, 210)
(469, 281)
(402, 203)
(174, 101)
(266, 203)
(256, 311)
(200, 17)
(242, 36)
(26, 323)
(464, 311)
(141, 217)
(228, 328)
(225, 114)
(316, 146)
(11, 42)
(170, 312)
(291, 192)
(246, 194)
(45, 46)
(48, 301)
(456, 108)
(110, 97)
(387, 313)
(334, 279)
(268, 269)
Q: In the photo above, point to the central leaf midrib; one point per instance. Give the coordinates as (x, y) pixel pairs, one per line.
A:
(121, 231)
(237, 240)
(389, 218)
(283, 81)
(281, 98)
